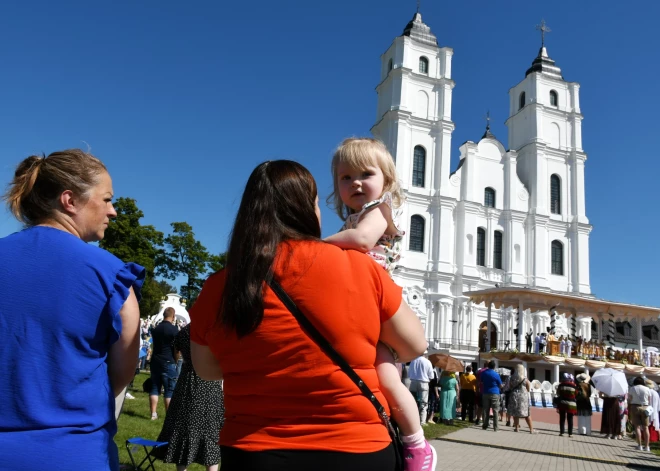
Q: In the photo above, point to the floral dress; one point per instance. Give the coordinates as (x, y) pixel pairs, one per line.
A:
(387, 250)
(195, 416)
(518, 397)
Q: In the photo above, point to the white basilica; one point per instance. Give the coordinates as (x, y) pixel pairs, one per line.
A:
(510, 218)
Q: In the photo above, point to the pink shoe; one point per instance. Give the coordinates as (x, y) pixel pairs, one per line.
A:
(419, 459)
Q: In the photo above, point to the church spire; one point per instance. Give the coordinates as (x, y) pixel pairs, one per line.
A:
(419, 31)
(488, 134)
(543, 63)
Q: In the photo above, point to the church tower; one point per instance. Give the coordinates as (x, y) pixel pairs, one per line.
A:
(414, 121)
(545, 128)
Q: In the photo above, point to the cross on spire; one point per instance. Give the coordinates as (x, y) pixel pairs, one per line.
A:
(543, 28)
(488, 120)
(417, 6)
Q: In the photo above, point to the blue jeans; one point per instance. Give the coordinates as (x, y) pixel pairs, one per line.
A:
(163, 376)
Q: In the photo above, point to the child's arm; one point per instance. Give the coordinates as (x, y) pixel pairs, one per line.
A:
(370, 228)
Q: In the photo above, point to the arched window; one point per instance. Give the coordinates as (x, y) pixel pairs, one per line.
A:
(553, 98)
(419, 166)
(489, 197)
(389, 66)
(481, 247)
(521, 101)
(555, 194)
(557, 258)
(423, 65)
(416, 234)
(497, 250)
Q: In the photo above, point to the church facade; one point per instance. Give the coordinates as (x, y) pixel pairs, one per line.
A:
(503, 217)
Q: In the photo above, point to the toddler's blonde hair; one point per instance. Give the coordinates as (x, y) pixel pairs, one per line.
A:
(360, 153)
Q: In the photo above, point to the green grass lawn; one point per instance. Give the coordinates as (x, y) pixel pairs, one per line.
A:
(432, 431)
(135, 421)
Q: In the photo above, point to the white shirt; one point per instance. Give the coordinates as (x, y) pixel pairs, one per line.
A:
(420, 370)
(640, 395)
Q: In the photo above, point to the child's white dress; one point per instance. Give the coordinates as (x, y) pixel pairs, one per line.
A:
(387, 250)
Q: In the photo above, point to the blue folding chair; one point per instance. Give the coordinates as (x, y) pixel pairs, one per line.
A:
(133, 444)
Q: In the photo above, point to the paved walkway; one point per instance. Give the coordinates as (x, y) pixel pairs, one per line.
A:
(475, 449)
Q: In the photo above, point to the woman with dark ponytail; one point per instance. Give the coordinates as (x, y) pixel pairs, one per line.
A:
(69, 314)
(287, 405)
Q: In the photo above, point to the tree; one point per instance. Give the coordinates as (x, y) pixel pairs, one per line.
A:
(218, 262)
(130, 241)
(185, 255)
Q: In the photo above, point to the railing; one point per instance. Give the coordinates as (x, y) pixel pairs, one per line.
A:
(491, 274)
(447, 343)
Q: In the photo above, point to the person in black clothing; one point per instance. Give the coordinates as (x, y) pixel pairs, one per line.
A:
(528, 343)
(163, 363)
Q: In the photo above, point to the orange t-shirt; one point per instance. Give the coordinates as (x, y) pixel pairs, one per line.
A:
(281, 390)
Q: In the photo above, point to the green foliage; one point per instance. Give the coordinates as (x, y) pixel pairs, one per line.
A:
(218, 262)
(130, 241)
(185, 256)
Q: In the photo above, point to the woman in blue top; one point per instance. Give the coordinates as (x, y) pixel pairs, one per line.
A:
(69, 318)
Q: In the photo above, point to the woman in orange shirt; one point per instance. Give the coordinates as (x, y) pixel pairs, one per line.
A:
(288, 406)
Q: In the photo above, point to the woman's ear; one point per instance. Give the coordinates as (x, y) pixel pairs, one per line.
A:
(69, 202)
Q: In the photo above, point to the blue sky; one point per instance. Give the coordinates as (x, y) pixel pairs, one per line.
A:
(182, 99)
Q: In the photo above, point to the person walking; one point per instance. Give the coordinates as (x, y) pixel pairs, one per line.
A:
(468, 394)
(163, 363)
(566, 405)
(640, 400)
(492, 383)
(583, 404)
(195, 417)
(420, 374)
(518, 407)
(448, 394)
(69, 315)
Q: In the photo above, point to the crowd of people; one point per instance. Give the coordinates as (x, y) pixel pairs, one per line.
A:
(291, 360)
(289, 405)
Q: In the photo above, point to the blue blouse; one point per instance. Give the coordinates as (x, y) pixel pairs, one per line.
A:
(59, 314)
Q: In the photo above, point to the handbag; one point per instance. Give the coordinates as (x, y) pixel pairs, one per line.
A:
(390, 425)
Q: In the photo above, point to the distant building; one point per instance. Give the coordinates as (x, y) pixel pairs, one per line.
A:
(178, 303)
(503, 217)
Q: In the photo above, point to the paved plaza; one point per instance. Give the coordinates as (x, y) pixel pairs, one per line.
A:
(474, 449)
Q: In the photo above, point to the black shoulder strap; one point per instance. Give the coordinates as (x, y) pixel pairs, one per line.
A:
(325, 345)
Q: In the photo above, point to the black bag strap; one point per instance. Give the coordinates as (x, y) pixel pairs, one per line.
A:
(326, 347)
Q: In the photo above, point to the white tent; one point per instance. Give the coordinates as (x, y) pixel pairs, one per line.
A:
(173, 301)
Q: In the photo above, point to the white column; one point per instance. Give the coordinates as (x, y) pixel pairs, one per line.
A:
(524, 364)
(555, 373)
(639, 337)
(521, 332)
(488, 345)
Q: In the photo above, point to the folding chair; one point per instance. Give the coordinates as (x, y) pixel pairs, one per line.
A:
(133, 444)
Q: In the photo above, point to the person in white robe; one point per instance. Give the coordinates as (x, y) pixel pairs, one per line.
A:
(654, 419)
